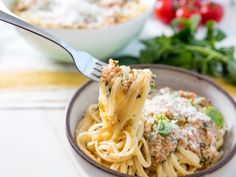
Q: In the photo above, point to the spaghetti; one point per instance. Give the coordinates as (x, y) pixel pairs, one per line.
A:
(111, 133)
(136, 134)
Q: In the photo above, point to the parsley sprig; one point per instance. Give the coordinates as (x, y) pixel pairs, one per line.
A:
(184, 49)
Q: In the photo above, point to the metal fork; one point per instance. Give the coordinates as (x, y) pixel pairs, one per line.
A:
(85, 63)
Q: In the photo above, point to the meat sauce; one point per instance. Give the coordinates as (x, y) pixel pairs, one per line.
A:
(191, 129)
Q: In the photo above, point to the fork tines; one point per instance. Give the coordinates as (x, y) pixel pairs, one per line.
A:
(97, 69)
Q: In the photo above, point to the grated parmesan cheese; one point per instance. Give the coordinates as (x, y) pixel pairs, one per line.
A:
(79, 13)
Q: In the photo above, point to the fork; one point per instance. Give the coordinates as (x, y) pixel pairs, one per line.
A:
(85, 63)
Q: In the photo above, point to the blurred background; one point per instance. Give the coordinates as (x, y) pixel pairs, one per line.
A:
(28, 62)
(37, 78)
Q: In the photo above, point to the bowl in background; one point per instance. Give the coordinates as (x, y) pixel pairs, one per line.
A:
(101, 43)
(174, 78)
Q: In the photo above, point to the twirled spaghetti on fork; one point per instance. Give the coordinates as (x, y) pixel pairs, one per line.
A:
(112, 131)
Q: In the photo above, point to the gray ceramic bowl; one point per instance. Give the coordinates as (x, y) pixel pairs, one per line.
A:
(166, 76)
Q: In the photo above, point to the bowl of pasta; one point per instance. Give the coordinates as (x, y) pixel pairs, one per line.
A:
(152, 120)
(101, 28)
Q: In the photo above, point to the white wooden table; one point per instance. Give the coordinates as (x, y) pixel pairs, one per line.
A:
(33, 140)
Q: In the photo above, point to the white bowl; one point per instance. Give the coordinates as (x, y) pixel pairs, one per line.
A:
(166, 76)
(101, 43)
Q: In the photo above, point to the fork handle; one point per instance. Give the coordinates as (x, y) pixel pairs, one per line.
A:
(5, 17)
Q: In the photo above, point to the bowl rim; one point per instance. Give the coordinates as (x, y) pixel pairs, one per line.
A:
(149, 9)
(72, 142)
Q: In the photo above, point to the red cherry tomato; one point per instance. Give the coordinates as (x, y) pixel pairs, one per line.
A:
(186, 12)
(164, 11)
(194, 3)
(211, 11)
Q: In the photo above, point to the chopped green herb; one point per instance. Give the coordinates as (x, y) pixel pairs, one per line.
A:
(152, 85)
(163, 125)
(215, 116)
(205, 124)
